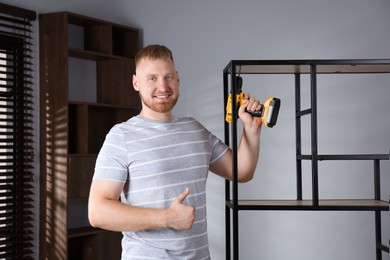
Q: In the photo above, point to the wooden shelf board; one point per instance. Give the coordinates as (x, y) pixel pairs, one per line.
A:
(83, 231)
(331, 204)
(345, 157)
(83, 20)
(93, 55)
(82, 155)
(102, 105)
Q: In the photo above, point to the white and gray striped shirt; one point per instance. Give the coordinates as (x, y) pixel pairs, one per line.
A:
(157, 160)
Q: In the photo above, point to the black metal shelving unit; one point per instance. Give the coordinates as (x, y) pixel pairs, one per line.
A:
(298, 68)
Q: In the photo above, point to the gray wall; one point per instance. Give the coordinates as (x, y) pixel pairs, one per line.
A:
(353, 110)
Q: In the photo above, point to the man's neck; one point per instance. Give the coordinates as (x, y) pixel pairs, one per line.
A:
(156, 115)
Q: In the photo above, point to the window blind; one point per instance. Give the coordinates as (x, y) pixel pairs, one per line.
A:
(16, 136)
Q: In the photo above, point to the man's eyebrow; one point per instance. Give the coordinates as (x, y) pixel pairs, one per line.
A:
(163, 75)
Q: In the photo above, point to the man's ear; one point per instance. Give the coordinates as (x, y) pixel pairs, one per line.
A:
(135, 83)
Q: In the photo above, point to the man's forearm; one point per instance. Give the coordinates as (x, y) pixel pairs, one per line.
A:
(116, 216)
(248, 154)
(107, 212)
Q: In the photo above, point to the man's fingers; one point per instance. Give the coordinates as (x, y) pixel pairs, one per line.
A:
(183, 195)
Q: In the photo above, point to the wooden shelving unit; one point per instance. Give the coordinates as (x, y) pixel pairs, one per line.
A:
(72, 131)
(297, 68)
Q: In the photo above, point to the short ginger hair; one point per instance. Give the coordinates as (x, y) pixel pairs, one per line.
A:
(153, 52)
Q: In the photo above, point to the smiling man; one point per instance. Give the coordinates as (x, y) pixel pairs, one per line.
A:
(157, 164)
(157, 82)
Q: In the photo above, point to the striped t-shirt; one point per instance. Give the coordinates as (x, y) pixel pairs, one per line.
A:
(157, 160)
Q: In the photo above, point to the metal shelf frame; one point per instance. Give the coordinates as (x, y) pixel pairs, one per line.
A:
(298, 67)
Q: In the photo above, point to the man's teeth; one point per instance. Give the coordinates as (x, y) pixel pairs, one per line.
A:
(165, 96)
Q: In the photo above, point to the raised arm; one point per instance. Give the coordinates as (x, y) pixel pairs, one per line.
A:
(248, 149)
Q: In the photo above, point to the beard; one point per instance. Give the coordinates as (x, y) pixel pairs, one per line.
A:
(160, 107)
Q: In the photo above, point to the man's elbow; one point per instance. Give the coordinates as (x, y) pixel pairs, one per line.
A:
(93, 217)
(245, 179)
(92, 221)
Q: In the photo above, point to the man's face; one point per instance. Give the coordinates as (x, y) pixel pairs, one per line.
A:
(157, 82)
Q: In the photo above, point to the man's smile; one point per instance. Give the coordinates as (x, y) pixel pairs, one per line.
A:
(162, 96)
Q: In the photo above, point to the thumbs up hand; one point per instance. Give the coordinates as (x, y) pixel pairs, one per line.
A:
(182, 216)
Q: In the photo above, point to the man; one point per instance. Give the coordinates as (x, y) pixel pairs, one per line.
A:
(158, 165)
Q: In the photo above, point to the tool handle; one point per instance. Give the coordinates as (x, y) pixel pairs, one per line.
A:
(257, 113)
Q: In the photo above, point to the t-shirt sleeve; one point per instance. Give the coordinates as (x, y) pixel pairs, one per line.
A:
(219, 148)
(111, 162)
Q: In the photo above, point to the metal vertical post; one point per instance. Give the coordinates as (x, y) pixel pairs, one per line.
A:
(378, 217)
(314, 137)
(227, 182)
(298, 134)
(234, 161)
(377, 180)
(378, 234)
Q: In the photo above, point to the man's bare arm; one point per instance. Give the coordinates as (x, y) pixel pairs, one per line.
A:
(107, 212)
(248, 149)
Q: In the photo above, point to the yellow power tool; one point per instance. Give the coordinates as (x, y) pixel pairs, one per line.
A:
(268, 113)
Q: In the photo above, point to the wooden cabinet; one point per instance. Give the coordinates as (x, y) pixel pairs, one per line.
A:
(79, 54)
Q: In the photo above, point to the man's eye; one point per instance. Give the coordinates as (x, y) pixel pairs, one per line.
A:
(170, 77)
(152, 78)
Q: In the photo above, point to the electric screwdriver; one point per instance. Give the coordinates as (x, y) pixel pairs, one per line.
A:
(268, 113)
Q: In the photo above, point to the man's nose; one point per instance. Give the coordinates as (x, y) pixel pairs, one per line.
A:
(162, 83)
